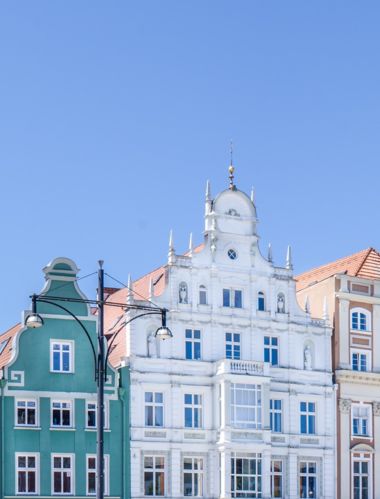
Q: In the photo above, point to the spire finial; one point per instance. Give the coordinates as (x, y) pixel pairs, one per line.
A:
(171, 254)
(130, 289)
(253, 195)
(191, 244)
(151, 288)
(231, 169)
(208, 191)
(289, 264)
(270, 255)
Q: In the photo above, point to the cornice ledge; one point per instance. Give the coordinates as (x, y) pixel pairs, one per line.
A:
(357, 377)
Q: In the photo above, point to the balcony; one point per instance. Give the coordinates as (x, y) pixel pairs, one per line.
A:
(245, 367)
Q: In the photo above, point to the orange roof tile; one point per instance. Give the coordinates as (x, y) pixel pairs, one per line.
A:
(365, 263)
(7, 344)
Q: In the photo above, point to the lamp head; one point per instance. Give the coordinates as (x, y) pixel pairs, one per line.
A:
(163, 332)
(34, 321)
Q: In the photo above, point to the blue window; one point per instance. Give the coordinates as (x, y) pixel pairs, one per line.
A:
(154, 409)
(275, 413)
(359, 362)
(61, 357)
(232, 298)
(193, 410)
(360, 417)
(193, 344)
(260, 301)
(359, 321)
(271, 350)
(307, 417)
(202, 295)
(233, 346)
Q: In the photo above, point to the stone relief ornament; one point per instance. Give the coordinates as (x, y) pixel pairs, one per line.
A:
(183, 293)
(281, 303)
(376, 408)
(344, 405)
(307, 358)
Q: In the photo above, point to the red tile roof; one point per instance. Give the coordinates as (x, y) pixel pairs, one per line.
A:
(7, 344)
(365, 263)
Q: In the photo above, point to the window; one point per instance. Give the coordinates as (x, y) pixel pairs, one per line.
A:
(62, 474)
(26, 413)
(360, 360)
(154, 475)
(232, 298)
(91, 474)
(193, 476)
(91, 408)
(361, 477)
(308, 479)
(202, 295)
(275, 408)
(27, 478)
(360, 420)
(246, 406)
(276, 478)
(61, 353)
(233, 346)
(61, 414)
(360, 320)
(232, 254)
(193, 344)
(246, 476)
(154, 409)
(193, 410)
(260, 301)
(307, 418)
(271, 350)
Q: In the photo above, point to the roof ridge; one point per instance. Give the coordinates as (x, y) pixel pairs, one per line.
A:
(369, 251)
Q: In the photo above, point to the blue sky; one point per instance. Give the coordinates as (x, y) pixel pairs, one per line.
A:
(114, 114)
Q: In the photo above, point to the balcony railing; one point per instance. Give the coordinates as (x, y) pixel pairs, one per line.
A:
(252, 368)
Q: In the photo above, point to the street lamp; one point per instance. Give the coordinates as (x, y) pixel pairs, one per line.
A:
(34, 321)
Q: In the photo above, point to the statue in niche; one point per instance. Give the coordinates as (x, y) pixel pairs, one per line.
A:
(152, 346)
(307, 358)
(183, 293)
(281, 304)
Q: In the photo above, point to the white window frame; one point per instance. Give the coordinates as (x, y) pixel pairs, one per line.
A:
(71, 344)
(308, 475)
(154, 470)
(71, 402)
(273, 411)
(271, 349)
(193, 407)
(93, 470)
(367, 313)
(274, 473)
(307, 413)
(232, 343)
(192, 341)
(234, 475)
(261, 296)
(154, 406)
(196, 475)
(368, 409)
(92, 402)
(202, 289)
(361, 351)
(71, 469)
(254, 423)
(26, 400)
(361, 457)
(232, 298)
(36, 456)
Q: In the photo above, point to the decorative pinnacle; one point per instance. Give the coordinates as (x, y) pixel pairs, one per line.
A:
(191, 244)
(208, 191)
(171, 254)
(289, 264)
(231, 169)
(171, 247)
(270, 255)
(253, 195)
(130, 289)
(151, 288)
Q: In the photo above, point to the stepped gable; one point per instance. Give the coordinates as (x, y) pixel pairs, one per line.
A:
(7, 344)
(364, 263)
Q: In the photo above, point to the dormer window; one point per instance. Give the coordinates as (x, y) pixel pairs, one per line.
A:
(360, 320)
(202, 295)
(260, 301)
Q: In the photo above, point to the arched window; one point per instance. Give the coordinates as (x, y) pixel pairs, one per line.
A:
(260, 301)
(360, 319)
(202, 295)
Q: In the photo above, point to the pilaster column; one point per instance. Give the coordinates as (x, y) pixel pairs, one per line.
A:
(265, 470)
(293, 474)
(174, 474)
(344, 334)
(265, 405)
(225, 396)
(212, 482)
(137, 465)
(376, 338)
(376, 435)
(328, 481)
(343, 472)
(225, 474)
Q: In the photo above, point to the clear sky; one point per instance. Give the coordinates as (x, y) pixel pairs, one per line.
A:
(113, 114)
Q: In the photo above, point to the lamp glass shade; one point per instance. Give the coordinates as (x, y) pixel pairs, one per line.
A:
(163, 333)
(34, 321)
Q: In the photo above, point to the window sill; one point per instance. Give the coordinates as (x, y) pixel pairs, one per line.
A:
(93, 430)
(26, 427)
(361, 331)
(62, 372)
(361, 437)
(62, 428)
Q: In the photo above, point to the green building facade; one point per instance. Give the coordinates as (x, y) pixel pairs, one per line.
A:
(48, 403)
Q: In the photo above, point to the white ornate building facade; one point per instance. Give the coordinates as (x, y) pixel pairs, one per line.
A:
(240, 402)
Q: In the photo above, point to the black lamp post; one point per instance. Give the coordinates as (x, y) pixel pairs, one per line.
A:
(101, 353)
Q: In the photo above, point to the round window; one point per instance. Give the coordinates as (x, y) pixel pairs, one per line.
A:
(232, 254)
